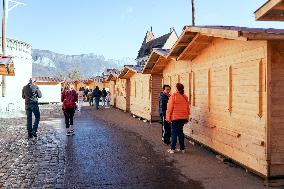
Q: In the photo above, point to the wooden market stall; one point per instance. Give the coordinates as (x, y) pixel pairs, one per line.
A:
(235, 79)
(7, 67)
(139, 93)
(50, 88)
(121, 91)
(112, 78)
(272, 10)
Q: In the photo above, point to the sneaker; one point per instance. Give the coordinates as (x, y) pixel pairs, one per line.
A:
(183, 151)
(68, 133)
(171, 151)
(72, 130)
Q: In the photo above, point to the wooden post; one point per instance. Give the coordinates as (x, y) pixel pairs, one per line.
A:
(209, 89)
(260, 91)
(193, 88)
(230, 89)
(5, 9)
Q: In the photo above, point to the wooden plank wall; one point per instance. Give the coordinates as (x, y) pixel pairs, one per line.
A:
(155, 90)
(140, 95)
(276, 131)
(120, 91)
(233, 125)
(112, 93)
(228, 121)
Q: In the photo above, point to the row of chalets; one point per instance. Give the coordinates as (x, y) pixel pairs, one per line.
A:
(234, 77)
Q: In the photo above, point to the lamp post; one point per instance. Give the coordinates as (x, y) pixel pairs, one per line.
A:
(6, 10)
(193, 12)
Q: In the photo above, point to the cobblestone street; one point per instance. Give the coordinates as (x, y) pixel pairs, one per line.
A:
(111, 149)
(35, 163)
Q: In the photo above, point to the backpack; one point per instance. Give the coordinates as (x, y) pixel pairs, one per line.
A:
(69, 100)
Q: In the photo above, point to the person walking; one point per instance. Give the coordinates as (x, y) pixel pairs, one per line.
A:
(86, 92)
(69, 97)
(166, 126)
(108, 100)
(91, 98)
(104, 94)
(80, 100)
(97, 95)
(178, 114)
(31, 93)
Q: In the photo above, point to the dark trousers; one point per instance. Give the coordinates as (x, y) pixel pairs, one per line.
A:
(91, 101)
(97, 100)
(177, 132)
(166, 130)
(32, 108)
(69, 115)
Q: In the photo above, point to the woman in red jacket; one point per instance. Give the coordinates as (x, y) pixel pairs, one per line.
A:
(178, 114)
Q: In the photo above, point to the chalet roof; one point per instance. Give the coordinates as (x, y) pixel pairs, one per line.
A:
(47, 79)
(129, 70)
(272, 10)
(159, 42)
(194, 39)
(156, 61)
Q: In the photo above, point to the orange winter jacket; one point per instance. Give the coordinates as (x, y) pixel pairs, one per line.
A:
(178, 107)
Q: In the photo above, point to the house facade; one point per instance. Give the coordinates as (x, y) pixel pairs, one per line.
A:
(22, 60)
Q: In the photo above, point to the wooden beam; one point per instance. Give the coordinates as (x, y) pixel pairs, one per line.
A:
(182, 44)
(189, 46)
(230, 89)
(260, 90)
(264, 10)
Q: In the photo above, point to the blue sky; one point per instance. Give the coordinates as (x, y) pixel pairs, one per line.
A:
(116, 28)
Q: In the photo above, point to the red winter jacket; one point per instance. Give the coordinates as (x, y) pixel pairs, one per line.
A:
(68, 105)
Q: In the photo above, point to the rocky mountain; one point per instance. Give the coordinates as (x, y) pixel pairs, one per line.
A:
(48, 63)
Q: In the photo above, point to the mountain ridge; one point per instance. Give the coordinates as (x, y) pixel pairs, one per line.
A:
(52, 64)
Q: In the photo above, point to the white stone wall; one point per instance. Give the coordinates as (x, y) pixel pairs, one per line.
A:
(23, 72)
(50, 93)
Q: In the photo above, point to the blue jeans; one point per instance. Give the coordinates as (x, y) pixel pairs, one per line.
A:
(32, 108)
(177, 132)
(97, 100)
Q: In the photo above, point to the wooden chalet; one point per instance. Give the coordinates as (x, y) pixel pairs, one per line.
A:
(143, 100)
(272, 10)
(112, 78)
(234, 77)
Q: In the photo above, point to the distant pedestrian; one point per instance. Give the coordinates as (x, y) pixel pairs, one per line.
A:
(69, 97)
(166, 126)
(97, 95)
(80, 100)
(104, 94)
(31, 93)
(90, 97)
(86, 92)
(178, 114)
(108, 100)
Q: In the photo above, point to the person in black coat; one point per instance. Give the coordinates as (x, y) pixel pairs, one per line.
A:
(166, 126)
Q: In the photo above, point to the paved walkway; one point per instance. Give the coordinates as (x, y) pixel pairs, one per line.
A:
(110, 150)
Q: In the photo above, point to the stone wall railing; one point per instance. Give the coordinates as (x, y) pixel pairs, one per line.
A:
(19, 46)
